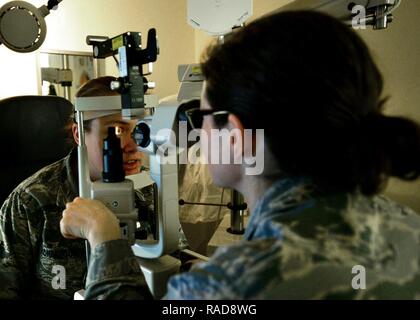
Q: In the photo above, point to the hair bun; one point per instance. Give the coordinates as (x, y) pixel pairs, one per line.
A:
(400, 139)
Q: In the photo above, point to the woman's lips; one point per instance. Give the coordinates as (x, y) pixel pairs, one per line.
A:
(132, 165)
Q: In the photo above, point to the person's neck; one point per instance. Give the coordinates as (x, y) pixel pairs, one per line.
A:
(253, 188)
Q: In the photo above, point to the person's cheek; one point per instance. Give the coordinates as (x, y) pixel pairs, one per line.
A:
(205, 140)
(98, 159)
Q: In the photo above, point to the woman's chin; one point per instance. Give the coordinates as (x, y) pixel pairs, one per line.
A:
(129, 172)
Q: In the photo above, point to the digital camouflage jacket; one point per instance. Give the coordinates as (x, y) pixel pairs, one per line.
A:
(36, 262)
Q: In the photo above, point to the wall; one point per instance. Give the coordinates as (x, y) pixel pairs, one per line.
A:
(75, 19)
(397, 52)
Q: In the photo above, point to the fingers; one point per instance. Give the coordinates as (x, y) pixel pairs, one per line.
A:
(89, 219)
(75, 219)
(71, 226)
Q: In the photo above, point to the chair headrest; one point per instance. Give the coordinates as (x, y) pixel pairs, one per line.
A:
(32, 128)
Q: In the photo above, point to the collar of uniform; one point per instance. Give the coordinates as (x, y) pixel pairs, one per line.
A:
(68, 190)
(72, 177)
(285, 196)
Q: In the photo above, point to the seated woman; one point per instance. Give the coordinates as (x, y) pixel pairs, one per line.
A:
(36, 262)
(318, 227)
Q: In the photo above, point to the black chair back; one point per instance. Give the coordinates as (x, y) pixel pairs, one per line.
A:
(32, 135)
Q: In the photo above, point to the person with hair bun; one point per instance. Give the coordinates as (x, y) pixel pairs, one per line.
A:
(319, 226)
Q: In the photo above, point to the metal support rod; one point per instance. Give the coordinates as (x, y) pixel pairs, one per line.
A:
(183, 202)
(80, 129)
(237, 209)
(65, 60)
(381, 18)
(237, 213)
(83, 171)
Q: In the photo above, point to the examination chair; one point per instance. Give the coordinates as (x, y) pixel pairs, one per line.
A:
(32, 135)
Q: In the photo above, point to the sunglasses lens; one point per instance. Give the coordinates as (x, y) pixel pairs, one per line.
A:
(196, 118)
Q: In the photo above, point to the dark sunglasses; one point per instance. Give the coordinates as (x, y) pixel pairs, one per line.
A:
(195, 116)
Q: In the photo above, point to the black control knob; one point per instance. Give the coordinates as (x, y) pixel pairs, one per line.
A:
(141, 134)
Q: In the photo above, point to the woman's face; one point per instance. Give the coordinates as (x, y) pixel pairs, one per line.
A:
(94, 143)
(224, 175)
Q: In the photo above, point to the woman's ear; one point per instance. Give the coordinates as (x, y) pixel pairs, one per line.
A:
(235, 123)
(75, 132)
(248, 146)
(237, 138)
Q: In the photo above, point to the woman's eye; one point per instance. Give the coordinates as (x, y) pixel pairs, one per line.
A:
(119, 131)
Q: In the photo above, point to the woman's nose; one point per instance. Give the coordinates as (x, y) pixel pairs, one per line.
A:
(128, 144)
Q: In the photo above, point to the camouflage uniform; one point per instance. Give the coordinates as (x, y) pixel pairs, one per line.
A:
(32, 242)
(33, 246)
(298, 245)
